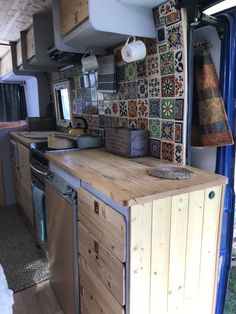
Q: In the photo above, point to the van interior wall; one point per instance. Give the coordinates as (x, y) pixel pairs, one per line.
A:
(205, 157)
(32, 97)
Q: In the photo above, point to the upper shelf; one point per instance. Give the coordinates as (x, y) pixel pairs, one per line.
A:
(109, 22)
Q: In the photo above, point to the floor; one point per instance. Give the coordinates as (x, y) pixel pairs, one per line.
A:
(230, 306)
(38, 299)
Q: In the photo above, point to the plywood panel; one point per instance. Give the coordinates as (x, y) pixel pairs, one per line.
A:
(178, 237)
(209, 253)
(107, 225)
(18, 54)
(160, 255)
(30, 43)
(106, 266)
(140, 257)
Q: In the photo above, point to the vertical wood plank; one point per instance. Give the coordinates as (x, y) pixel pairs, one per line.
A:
(209, 250)
(140, 257)
(193, 251)
(179, 219)
(160, 256)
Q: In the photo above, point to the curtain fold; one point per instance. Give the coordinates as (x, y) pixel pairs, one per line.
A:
(12, 102)
(210, 125)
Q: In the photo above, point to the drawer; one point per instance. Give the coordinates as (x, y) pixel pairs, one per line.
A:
(94, 296)
(106, 266)
(107, 225)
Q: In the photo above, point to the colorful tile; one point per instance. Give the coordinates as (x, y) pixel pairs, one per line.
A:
(120, 73)
(132, 90)
(173, 17)
(174, 36)
(162, 48)
(95, 122)
(156, 16)
(118, 57)
(123, 108)
(89, 119)
(154, 108)
(108, 122)
(151, 45)
(178, 132)
(161, 35)
(154, 128)
(155, 148)
(87, 94)
(133, 123)
(167, 63)
(179, 109)
(101, 108)
(179, 154)
(143, 108)
(154, 88)
(143, 123)
(94, 94)
(141, 70)
(167, 130)
(167, 8)
(168, 86)
(115, 108)
(142, 89)
(102, 121)
(179, 65)
(167, 108)
(152, 65)
(167, 151)
(122, 91)
(179, 85)
(107, 106)
(130, 71)
(132, 108)
(123, 122)
(115, 122)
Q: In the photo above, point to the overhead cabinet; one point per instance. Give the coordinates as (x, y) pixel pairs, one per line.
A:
(18, 54)
(6, 64)
(98, 25)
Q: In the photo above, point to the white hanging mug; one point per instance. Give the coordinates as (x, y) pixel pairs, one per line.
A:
(90, 62)
(134, 50)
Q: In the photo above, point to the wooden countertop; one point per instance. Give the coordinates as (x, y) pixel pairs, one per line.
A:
(28, 137)
(126, 181)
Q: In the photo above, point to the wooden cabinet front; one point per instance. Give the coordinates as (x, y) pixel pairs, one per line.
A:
(18, 54)
(30, 43)
(6, 64)
(73, 13)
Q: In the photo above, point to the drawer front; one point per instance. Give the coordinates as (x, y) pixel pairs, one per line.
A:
(94, 297)
(107, 225)
(106, 266)
(73, 13)
(30, 43)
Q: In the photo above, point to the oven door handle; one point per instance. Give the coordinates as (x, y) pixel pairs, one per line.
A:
(38, 171)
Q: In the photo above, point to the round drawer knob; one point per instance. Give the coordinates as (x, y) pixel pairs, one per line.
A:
(211, 195)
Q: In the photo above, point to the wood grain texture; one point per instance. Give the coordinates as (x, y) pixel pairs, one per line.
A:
(126, 181)
(107, 225)
(106, 266)
(18, 54)
(30, 43)
(2, 191)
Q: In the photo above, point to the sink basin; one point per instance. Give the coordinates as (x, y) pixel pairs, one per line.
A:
(89, 141)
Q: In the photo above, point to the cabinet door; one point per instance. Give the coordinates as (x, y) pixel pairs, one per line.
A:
(18, 54)
(73, 13)
(2, 192)
(6, 64)
(30, 43)
(107, 225)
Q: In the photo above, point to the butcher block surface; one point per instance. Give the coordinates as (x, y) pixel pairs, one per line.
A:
(127, 181)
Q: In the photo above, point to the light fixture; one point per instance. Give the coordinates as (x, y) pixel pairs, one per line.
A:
(220, 7)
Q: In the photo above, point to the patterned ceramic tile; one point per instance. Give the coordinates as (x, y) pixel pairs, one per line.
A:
(162, 48)
(87, 94)
(179, 65)
(130, 71)
(179, 109)
(161, 35)
(115, 108)
(167, 63)
(154, 128)
(95, 122)
(142, 89)
(178, 132)
(168, 86)
(173, 17)
(133, 123)
(100, 96)
(167, 130)
(110, 96)
(83, 108)
(174, 36)
(179, 154)
(94, 94)
(167, 8)
(89, 119)
(156, 16)
(132, 90)
(143, 108)
(79, 95)
(167, 151)
(168, 108)
(151, 45)
(143, 123)
(154, 88)
(107, 107)
(118, 57)
(179, 85)
(79, 107)
(154, 108)
(102, 121)
(123, 108)
(120, 73)
(115, 122)
(132, 109)
(141, 70)
(122, 91)
(101, 108)
(155, 148)
(108, 122)
(123, 122)
(152, 65)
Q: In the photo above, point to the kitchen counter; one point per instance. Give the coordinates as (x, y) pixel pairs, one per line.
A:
(29, 137)
(126, 181)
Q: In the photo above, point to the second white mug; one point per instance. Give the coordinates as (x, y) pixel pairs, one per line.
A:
(134, 50)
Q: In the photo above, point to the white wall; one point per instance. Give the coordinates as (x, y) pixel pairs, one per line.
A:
(32, 100)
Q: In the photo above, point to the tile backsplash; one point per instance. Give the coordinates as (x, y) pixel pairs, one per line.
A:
(150, 93)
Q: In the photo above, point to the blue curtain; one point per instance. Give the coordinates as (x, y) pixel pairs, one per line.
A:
(226, 155)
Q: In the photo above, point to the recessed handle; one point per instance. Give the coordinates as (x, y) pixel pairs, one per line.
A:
(96, 207)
